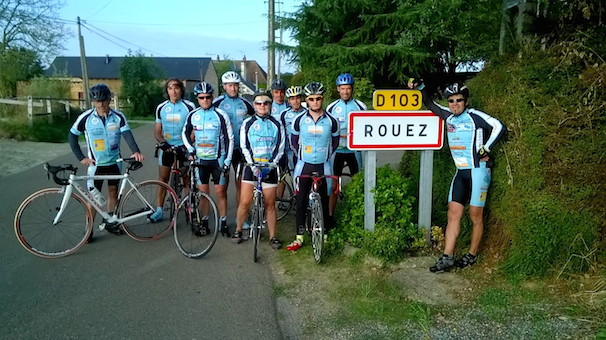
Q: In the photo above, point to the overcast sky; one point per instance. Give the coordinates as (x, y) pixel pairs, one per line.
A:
(176, 28)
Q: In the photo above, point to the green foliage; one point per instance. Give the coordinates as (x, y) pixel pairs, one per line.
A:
(224, 66)
(495, 303)
(394, 234)
(141, 84)
(40, 131)
(17, 65)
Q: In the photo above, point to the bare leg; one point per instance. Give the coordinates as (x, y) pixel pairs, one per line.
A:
(476, 215)
(269, 195)
(244, 205)
(220, 191)
(453, 229)
(164, 174)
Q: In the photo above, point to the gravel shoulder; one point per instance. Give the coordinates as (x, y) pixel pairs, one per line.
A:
(17, 156)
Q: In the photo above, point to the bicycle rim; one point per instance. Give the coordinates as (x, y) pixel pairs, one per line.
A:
(34, 224)
(192, 237)
(142, 198)
(285, 203)
(317, 229)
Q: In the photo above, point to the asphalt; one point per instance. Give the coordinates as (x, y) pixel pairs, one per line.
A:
(117, 287)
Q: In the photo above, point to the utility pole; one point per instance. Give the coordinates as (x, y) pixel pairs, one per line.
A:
(279, 52)
(83, 67)
(271, 74)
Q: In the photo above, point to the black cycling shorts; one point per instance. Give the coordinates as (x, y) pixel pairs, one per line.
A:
(204, 169)
(166, 158)
(341, 159)
(271, 178)
(113, 169)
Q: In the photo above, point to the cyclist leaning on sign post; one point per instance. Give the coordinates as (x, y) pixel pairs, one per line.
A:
(237, 109)
(170, 119)
(208, 136)
(340, 109)
(103, 128)
(471, 136)
(315, 138)
(262, 140)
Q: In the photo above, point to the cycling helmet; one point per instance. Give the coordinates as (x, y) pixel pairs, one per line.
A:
(314, 88)
(457, 88)
(203, 87)
(231, 77)
(294, 91)
(345, 79)
(262, 96)
(100, 92)
(278, 84)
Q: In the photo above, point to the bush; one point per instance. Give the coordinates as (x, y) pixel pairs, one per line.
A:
(394, 234)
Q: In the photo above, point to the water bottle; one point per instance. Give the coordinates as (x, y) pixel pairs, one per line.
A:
(98, 196)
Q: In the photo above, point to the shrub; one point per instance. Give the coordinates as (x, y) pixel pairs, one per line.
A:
(394, 234)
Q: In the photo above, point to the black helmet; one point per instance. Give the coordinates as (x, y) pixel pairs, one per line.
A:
(457, 88)
(100, 92)
(314, 88)
(203, 87)
(278, 84)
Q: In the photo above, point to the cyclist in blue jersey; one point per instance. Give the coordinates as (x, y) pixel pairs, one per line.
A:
(102, 128)
(262, 140)
(294, 94)
(314, 138)
(209, 138)
(340, 109)
(170, 119)
(471, 136)
(278, 88)
(237, 109)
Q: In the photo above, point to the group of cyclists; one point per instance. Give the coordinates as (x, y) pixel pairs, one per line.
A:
(271, 133)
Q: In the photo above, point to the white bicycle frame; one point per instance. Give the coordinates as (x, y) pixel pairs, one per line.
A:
(74, 183)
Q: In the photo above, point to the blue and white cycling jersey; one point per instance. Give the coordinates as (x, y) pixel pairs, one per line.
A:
(286, 118)
(237, 110)
(314, 142)
(467, 133)
(277, 109)
(102, 134)
(262, 139)
(172, 117)
(340, 109)
(213, 136)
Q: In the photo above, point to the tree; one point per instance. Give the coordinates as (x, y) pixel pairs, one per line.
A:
(33, 25)
(387, 41)
(141, 80)
(17, 65)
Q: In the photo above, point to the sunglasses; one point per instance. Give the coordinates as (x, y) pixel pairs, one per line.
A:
(458, 100)
(315, 99)
(262, 103)
(205, 97)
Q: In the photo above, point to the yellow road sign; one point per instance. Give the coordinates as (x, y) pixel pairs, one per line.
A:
(397, 100)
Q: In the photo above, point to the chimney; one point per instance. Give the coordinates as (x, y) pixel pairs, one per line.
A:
(107, 58)
(243, 68)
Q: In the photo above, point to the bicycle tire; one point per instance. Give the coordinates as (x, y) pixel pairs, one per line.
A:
(286, 203)
(34, 224)
(177, 187)
(140, 198)
(317, 228)
(257, 221)
(191, 241)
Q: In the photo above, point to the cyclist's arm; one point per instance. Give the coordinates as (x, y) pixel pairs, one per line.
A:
(245, 146)
(130, 140)
(490, 124)
(336, 134)
(249, 108)
(228, 133)
(187, 130)
(279, 150)
(438, 110)
(73, 143)
(294, 135)
(158, 132)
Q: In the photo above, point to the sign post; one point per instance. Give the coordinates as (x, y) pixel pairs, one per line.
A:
(396, 125)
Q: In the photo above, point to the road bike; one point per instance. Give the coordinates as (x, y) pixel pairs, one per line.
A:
(197, 220)
(286, 201)
(55, 222)
(314, 221)
(176, 173)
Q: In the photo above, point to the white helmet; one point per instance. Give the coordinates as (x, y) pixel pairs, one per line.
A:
(231, 77)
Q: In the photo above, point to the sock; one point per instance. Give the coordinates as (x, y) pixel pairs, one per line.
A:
(300, 238)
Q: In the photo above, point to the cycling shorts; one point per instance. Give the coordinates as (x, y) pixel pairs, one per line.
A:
(166, 158)
(113, 169)
(204, 169)
(269, 181)
(470, 185)
(352, 163)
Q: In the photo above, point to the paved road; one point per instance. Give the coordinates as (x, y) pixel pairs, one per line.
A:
(120, 288)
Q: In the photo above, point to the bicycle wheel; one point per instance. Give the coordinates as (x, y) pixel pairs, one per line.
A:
(285, 203)
(257, 222)
(142, 198)
(317, 228)
(175, 183)
(196, 225)
(34, 224)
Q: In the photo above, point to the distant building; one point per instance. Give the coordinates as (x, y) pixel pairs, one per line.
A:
(106, 70)
(252, 75)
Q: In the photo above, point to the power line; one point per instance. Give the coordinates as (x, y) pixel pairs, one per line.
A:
(111, 41)
(88, 26)
(102, 8)
(176, 25)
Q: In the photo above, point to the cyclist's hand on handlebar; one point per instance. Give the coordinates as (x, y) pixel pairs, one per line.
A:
(164, 146)
(138, 156)
(226, 168)
(87, 161)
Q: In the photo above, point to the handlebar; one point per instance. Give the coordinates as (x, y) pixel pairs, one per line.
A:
(54, 170)
(316, 178)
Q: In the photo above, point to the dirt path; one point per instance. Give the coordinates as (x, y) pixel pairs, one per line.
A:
(16, 156)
